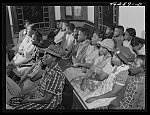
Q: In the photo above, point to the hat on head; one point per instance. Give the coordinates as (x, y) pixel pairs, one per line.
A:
(42, 43)
(125, 54)
(107, 43)
(53, 50)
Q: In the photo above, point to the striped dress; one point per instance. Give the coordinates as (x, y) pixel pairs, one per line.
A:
(52, 82)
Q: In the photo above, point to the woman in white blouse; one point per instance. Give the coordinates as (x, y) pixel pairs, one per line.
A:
(26, 48)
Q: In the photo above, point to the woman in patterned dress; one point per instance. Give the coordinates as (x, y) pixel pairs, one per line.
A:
(48, 94)
(132, 96)
(107, 46)
(123, 56)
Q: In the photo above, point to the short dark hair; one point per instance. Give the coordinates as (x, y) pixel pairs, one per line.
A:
(131, 32)
(33, 27)
(143, 58)
(85, 31)
(112, 27)
(71, 26)
(97, 31)
(120, 27)
(136, 41)
(27, 21)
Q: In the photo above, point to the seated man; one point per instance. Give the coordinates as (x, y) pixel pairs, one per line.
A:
(108, 33)
(48, 94)
(132, 96)
(68, 40)
(118, 36)
(121, 60)
(81, 45)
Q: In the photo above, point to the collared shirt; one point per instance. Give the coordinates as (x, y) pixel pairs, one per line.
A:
(22, 34)
(58, 37)
(69, 39)
(52, 81)
(117, 74)
(82, 47)
(27, 47)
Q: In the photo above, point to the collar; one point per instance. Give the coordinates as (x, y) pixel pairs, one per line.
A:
(119, 36)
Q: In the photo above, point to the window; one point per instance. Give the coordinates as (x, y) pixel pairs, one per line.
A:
(20, 16)
(77, 10)
(45, 15)
(68, 11)
(100, 15)
(45, 9)
(46, 19)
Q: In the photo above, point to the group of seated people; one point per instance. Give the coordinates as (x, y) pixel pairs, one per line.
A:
(108, 68)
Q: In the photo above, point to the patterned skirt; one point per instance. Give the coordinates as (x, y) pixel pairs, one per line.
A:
(16, 103)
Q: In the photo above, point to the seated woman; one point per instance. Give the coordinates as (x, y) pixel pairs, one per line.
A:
(48, 94)
(75, 33)
(54, 32)
(22, 35)
(25, 84)
(117, 78)
(80, 68)
(107, 46)
(39, 40)
(132, 96)
(96, 36)
(26, 48)
(58, 38)
(76, 75)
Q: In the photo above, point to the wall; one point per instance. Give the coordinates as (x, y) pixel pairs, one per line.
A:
(133, 16)
(91, 13)
(9, 39)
